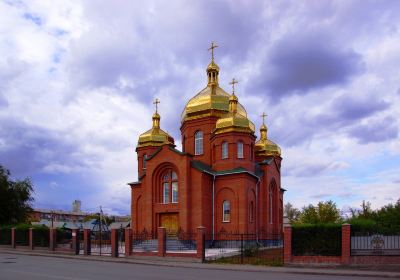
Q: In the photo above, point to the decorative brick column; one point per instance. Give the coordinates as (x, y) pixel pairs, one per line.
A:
(162, 241)
(53, 239)
(200, 243)
(114, 243)
(13, 243)
(287, 244)
(345, 244)
(86, 242)
(75, 241)
(128, 242)
(31, 238)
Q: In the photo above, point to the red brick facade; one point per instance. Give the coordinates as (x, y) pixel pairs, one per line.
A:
(249, 183)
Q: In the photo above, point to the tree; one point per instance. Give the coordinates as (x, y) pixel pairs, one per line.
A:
(15, 198)
(291, 212)
(365, 213)
(324, 212)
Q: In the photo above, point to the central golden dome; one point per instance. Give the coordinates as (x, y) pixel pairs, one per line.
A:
(208, 103)
(211, 101)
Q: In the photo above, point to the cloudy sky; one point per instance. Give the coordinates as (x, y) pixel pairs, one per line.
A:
(77, 80)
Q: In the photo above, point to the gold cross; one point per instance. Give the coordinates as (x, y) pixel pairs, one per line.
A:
(156, 102)
(233, 85)
(213, 46)
(263, 116)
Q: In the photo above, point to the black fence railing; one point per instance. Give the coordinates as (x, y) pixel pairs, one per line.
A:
(374, 243)
(244, 248)
(41, 237)
(317, 240)
(144, 241)
(64, 239)
(22, 237)
(181, 241)
(5, 236)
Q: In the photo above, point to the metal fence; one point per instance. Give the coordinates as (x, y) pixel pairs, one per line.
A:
(5, 236)
(144, 242)
(41, 237)
(244, 248)
(64, 239)
(374, 243)
(22, 237)
(101, 243)
(181, 241)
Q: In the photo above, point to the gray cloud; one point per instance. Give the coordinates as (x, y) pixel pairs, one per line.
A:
(351, 108)
(26, 150)
(299, 63)
(375, 131)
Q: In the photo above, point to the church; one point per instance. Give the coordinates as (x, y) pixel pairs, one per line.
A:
(224, 179)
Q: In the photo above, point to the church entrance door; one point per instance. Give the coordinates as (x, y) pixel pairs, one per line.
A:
(170, 222)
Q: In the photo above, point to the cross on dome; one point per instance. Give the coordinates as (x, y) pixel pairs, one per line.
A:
(213, 46)
(263, 117)
(156, 102)
(233, 85)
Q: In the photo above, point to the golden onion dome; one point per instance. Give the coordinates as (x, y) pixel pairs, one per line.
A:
(211, 101)
(264, 146)
(233, 121)
(155, 136)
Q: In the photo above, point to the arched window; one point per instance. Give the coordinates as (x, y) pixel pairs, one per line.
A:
(240, 149)
(198, 143)
(271, 204)
(226, 211)
(145, 161)
(224, 150)
(251, 211)
(170, 187)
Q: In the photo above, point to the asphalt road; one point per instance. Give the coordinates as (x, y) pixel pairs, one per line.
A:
(39, 267)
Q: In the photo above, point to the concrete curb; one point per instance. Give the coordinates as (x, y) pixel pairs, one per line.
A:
(193, 265)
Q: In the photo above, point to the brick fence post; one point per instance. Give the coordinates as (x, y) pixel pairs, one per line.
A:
(114, 243)
(162, 241)
(75, 241)
(52, 239)
(13, 243)
(86, 242)
(128, 242)
(287, 244)
(200, 242)
(31, 238)
(345, 244)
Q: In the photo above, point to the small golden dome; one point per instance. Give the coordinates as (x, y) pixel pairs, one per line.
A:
(155, 136)
(233, 121)
(264, 146)
(212, 67)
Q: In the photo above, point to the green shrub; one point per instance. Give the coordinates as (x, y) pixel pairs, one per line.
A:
(317, 240)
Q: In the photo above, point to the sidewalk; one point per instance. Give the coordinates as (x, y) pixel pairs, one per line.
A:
(176, 262)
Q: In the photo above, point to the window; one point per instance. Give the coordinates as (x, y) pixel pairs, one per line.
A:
(226, 211)
(271, 199)
(165, 193)
(170, 187)
(144, 161)
(174, 192)
(224, 150)
(251, 212)
(198, 143)
(240, 149)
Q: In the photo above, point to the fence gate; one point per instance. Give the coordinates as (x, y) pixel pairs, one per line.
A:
(101, 243)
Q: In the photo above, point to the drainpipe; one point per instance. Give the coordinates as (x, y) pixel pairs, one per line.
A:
(258, 181)
(213, 208)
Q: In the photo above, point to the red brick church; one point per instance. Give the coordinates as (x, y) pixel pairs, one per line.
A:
(223, 179)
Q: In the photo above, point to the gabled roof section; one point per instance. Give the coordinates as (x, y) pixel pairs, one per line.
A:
(207, 169)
